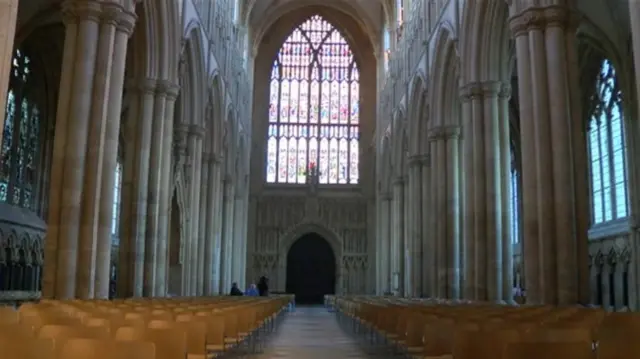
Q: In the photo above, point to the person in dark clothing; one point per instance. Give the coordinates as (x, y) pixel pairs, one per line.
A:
(263, 286)
(235, 291)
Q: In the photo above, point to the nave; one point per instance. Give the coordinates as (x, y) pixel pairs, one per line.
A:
(312, 332)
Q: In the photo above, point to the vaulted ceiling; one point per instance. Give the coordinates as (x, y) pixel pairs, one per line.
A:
(259, 15)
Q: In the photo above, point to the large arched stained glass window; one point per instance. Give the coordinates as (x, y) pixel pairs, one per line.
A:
(607, 150)
(20, 141)
(313, 112)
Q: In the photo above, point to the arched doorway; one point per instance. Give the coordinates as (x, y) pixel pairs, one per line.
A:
(311, 269)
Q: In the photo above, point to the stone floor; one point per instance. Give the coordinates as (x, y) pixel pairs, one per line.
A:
(310, 333)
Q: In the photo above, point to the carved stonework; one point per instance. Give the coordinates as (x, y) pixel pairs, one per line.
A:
(282, 220)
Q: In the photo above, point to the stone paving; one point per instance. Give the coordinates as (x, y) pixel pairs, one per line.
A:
(310, 333)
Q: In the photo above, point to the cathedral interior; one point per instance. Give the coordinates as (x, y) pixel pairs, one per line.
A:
(377, 156)
(477, 150)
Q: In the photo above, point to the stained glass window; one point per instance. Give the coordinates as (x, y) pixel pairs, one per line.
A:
(115, 214)
(607, 150)
(314, 108)
(20, 140)
(514, 206)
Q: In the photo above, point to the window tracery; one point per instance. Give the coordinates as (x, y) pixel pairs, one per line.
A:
(115, 214)
(314, 108)
(607, 149)
(21, 138)
(515, 205)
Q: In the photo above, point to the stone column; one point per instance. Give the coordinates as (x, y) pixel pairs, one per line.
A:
(75, 187)
(8, 18)
(452, 138)
(552, 150)
(124, 20)
(445, 208)
(182, 164)
(436, 218)
(227, 236)
(166, 193)
(504, 119)
(397, 240)
(415, 231)
(135, 180)
(407, 243)
(426, 239)
(470, 99)
(634, 16)
(194, 149)
(211, 232)
(236, 258)
(204, 218)
(218, 226)
(386, 241)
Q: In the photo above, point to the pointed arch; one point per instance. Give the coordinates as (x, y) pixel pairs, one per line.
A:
(444, 84)
(314, 116)
(156, 40)
(193, 92)
(417, 117)
(485, 42)
(216, 118)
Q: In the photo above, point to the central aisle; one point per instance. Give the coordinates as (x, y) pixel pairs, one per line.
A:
(312, 332)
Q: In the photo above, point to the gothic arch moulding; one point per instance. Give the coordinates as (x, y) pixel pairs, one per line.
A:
(443, 94)
(292, 235)
(485, 41)
(417, 117)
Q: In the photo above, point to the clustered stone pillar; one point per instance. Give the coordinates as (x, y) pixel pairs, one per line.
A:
(397, 237)
(555, 205)
(227, 235)
(77, 250)
(194, 150)
(145, 189)
(486, 192)
(425, 239)
(8, 18)
(445, 203)
(385, 244)
(415, 225)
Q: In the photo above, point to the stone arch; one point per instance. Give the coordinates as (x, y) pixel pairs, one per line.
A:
(156, 39)
(444, 85)
(363, 52)
(349, 12)
(386, 172)
(293, 234)
(216, 125)
(417, 117)
(230, 142)
(399, 145)
(485, 39)
(193, 86)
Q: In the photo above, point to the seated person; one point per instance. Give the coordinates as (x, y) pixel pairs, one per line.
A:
(252, 291)
(235, 291)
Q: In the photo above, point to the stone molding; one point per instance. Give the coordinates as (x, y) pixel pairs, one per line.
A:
(538, 18)
(110, 13)
(446, 132)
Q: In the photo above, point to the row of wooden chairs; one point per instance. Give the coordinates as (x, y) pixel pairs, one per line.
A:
(418, 329)
(144, 328)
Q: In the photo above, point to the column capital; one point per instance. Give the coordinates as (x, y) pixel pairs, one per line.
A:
(444, 132)
(74, 11)
(491, 88)
(418, 160)
(168, 88)
(146, 86)
(471, 91)
(505, 91)
(533, 18)
(398, 181)
(196, 130)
